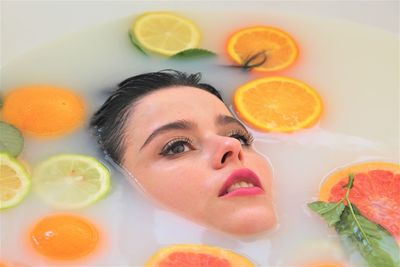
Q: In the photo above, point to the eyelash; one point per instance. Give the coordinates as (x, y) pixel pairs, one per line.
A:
(165, 151)
(244, 137)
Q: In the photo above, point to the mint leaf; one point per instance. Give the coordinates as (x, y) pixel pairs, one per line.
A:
(375, 244)
(11, 140)
(194, 53)
(331, 212)
(136, 44)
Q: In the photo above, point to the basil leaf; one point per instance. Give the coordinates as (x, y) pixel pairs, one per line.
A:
(194, 53)
(11, 140)
(375, 244)
(331, 212)
(136, 44)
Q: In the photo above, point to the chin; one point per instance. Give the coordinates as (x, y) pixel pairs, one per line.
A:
(251, 221)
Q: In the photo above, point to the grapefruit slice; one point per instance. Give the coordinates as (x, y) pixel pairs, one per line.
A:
(375, 192)
(196, 255)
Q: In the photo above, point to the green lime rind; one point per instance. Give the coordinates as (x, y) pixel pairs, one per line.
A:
(21, 173)
(136, 44)
(194, 53)
(71, 181)
(11, 139)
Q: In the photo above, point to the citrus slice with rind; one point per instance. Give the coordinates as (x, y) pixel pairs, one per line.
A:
(165, 33)
(375, 192)
(15, 181)
(44, 110)
(279, 47)
(64, 236)
(71, 180)
(277, 104)
(185, 255)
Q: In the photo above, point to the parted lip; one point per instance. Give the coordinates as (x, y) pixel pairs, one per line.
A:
(245, 175)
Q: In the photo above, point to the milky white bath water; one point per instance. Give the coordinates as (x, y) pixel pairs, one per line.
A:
(353, 67)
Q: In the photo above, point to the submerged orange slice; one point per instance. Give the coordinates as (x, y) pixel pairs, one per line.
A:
(279, 48)
(64, 237)
(375, 192)
(197, 255)
(277, 104)
(43, 110)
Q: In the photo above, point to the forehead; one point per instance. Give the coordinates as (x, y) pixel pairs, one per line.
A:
(171, 104)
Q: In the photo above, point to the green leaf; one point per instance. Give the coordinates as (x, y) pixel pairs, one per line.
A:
(136, 44)
(194, 53)
(11, 140)
(375, 244)
(331, 212)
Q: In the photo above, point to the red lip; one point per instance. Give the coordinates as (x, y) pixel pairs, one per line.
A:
(241, 175)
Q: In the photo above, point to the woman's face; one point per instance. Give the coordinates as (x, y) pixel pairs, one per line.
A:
(188, 153)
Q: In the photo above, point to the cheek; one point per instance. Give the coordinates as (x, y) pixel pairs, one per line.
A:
(262, 167)
(174, 184)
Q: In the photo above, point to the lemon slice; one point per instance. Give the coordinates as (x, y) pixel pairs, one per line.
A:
(165, 33)
(71, 181)
(14, 181)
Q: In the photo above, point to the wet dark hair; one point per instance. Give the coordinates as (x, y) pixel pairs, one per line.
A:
(108, 123)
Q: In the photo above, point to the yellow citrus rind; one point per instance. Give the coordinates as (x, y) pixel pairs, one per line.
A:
(165, 33)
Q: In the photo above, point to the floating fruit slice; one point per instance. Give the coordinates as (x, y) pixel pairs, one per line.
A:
(277, 104)
(278, 47)
(11, 139)
(71, 180)
(64, 237)
(14, 181)
(375, 192)
(165, 33)
(43, 110)
(197, 255)
(326, 264)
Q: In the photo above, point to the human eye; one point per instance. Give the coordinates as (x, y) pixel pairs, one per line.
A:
(176, 146)
(244, 137)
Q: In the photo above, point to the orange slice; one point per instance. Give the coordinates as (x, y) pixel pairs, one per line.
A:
(279, 48)
(277, 104)
(197, 255)
(375, 192)
(43, 110)
(64, 237)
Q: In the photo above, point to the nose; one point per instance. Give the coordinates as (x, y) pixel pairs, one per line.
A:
(227, 150)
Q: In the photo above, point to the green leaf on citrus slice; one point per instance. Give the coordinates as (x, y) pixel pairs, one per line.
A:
(71, 181)
(15, 182)
(194, 53)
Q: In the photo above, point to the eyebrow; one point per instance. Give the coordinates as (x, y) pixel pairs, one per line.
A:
(176, 125)
(189, 125)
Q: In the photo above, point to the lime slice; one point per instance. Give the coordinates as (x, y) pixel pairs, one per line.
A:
(14, 181)
(165, 33)
(71, 181)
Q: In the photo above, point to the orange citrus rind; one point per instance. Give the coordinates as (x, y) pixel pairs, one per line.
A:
(64, 237)
(280, 48)
(278, 104)
(166, 256)
(44, 110)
